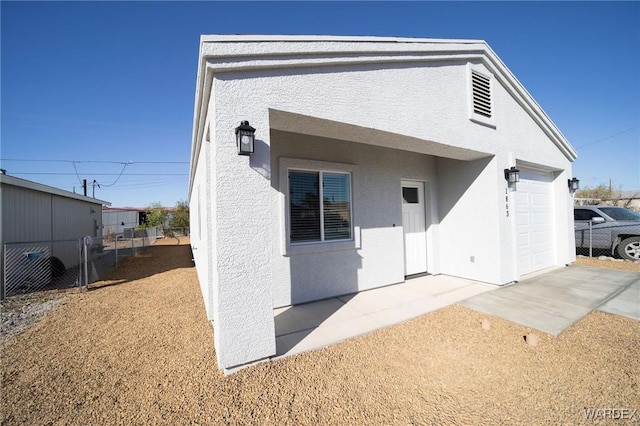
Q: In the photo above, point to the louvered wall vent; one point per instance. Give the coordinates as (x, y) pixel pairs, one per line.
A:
(481, 94)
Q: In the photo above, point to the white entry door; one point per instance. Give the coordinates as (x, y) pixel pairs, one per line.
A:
(414, 227)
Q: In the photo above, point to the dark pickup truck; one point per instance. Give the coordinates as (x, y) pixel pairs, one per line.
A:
(615, 229)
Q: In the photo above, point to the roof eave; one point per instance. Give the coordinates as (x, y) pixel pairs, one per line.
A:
(35, 186)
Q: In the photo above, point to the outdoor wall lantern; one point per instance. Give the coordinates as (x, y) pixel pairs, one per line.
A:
(245, 138)
(512, 176)
(574, 185)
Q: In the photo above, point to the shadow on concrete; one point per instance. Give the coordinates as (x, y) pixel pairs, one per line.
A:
(294, 323)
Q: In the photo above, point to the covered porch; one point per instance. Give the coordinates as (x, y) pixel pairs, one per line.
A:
(452, 183)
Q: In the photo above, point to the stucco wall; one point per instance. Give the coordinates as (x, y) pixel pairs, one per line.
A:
(371, 96)
(202, 224)
(239, 209)
(470, 240)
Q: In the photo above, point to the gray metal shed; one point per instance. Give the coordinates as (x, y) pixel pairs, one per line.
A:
(31, 212)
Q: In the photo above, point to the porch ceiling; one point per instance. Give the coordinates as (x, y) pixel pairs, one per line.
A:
(304, 124)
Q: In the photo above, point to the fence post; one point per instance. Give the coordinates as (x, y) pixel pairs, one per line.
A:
(116, 250)
(87, 243)
(3, 284)
(80, 244)
(590, 239)
(86, 266)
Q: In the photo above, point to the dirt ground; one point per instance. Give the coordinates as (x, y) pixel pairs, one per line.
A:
(137, 349)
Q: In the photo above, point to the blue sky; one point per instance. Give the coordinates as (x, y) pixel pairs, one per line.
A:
(107, 89)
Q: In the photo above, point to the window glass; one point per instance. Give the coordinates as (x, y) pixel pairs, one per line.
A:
(309, 219)
(620, 213)
(584, 214)
(410, 195)
(304, 201)
(336, 203)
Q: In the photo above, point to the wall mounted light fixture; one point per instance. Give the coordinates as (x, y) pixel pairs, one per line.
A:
(574, 185)
(245, 137)
(512, 176)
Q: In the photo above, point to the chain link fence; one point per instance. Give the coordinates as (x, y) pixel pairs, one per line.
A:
(119, 246)
(173, 233)
(621, 241)
(607, 230)
(38, 265)
(48, 265)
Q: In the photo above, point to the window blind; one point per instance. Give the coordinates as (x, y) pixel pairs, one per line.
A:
(336, 203)
(304, 199)
(311, 221)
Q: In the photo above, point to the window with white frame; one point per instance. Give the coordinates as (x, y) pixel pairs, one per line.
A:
(319, 206)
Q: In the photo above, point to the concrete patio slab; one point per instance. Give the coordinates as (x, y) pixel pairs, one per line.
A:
(301, 328)
(554, 301)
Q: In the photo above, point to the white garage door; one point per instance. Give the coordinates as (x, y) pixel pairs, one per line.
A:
(534, 221)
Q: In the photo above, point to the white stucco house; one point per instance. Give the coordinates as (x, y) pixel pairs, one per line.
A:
(374, 159)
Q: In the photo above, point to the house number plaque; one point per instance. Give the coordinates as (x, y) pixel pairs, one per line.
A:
(506, 200)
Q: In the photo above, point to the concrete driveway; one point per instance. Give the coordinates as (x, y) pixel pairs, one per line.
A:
(553, 301)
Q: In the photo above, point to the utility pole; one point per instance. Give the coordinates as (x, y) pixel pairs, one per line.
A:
(94, 183)
(84, 186)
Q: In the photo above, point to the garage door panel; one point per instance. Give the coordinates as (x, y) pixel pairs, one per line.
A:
(543, 256)
(540, 219)
(534, 221)
(522, 220)
(537, 177)
(540, 200)
(522, 198)
(542, 259)
(541, 239)
(523, 240)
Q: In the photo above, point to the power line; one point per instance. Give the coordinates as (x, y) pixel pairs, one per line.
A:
(78, 176)
(101, 174)
(115, 181)
(137, 182)
(608, 137)
(145, 185)
(94, 161)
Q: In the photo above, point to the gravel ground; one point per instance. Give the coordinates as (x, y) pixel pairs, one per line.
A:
(20, 312)
(608, 262)
(137, 349)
